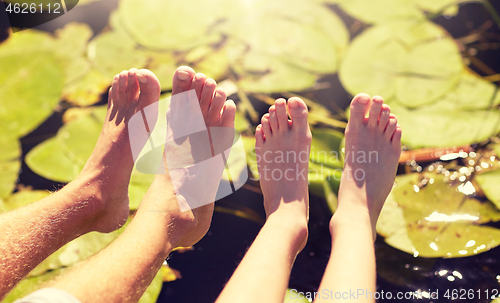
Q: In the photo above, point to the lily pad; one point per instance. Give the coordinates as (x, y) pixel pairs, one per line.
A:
(87, 90)
(436, 220)
(325, 148)
(22, 198)
(10, 164)
(155, 24)
(489, 182)
(30, 87)
(381, 10)
(415, 61)
(48, 160)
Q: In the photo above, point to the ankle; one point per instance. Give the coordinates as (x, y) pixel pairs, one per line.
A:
(291, 223)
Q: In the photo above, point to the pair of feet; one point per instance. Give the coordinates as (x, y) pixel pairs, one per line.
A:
(106, 175)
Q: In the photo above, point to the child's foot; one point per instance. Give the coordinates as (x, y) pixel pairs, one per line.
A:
(282, 148)
(104, 180)
(191, 225)
(372, 150)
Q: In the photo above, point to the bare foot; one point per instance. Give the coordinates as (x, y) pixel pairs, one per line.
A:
(105, 177)
(282, 148)
(188, 227)
(372, 150)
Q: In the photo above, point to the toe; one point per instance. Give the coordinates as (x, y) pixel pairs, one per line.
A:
(359, 108)
(122, 86)
(266, 128)
(182, 80)
(374, 112)
(391, 127)
(207, 94)
(149, 87)
(298, 114)
(384, 117)
(273, 121)
(396, 137)
(132, 86)
(214, 111)
(281, 115)
(115, 88)
(228, 114)
(199, 81)
(259, 136)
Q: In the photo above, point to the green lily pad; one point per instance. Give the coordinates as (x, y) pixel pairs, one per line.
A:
(155, 24)
(31, 284)
(293, 296)
(381, 10)
(153, 291)
(325, 148)
(427, 127)
(30, 87)
(22, 198)
(87, 90)
(9, 164)
(488, 182)
(415, 61)
(48, 160)
(436, 220)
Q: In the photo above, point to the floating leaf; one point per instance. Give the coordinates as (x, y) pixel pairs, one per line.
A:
(431, 126)
(48, 160)
(379, 11)
(436, 220)
(156, 24)
(22, 198)
(325, 148)
(415, 61)
(87, 90)
(489, 182)
(10, 151)
(153, 291)
(292, 296)
(31, 284)
(76, 250)
(30, 87)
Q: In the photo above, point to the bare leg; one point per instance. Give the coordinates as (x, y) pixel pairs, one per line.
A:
(282, 148)
(373, 146)
(135, 257)
(97, 200)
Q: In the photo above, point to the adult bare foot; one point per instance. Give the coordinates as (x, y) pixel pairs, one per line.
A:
(105, 177)
(282, 148)
(188, 227)
(372, 150)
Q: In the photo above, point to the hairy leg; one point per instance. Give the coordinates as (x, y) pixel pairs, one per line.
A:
(158, 226)
(373, 147)
(282, 148)
(97, 200)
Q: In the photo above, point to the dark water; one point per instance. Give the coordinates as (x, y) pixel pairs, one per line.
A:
(209, 265)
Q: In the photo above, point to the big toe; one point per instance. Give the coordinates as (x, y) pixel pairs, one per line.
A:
(183, 77)
(149, 87)
(298, 114)
(360, 105)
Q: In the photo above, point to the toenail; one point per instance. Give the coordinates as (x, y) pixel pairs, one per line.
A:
(293, 104)
(363, 99)
(142, 78)
(182, 75)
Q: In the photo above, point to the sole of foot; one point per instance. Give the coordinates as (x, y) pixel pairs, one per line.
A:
(192, 225)
(104, 180)
(372, 151)
(282, 148)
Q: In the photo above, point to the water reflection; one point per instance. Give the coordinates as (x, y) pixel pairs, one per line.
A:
(438, 217)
